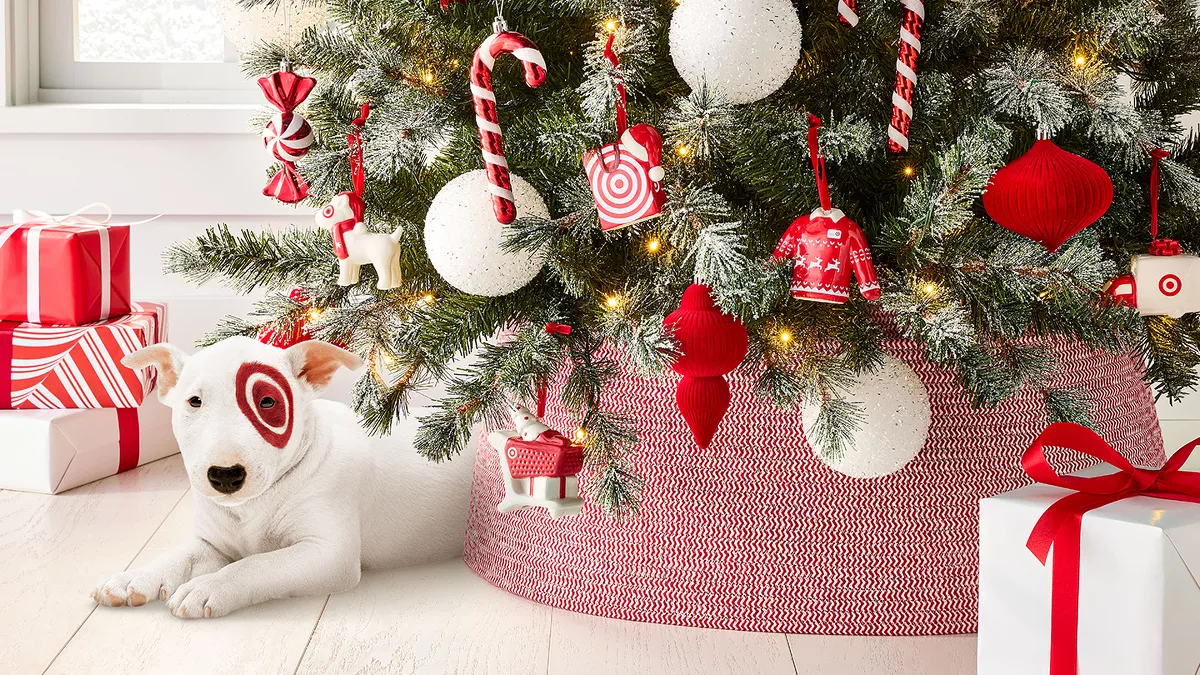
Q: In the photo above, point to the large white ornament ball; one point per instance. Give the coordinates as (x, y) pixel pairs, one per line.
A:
(742, 49)
(464, 239)
(895, 423)
(281, 24)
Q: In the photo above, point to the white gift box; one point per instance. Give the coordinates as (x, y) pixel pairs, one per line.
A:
(1139, 587)
(50, 451)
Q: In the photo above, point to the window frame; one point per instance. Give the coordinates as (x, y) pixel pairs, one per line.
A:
(55, 77)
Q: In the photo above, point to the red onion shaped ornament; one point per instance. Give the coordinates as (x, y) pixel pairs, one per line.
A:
(1048, 194)
(711, 344)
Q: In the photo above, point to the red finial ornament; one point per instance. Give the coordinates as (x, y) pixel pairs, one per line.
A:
(711, 344)
(1048, 194)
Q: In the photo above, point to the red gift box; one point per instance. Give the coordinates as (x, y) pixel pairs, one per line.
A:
(67, 271)
(67, 367)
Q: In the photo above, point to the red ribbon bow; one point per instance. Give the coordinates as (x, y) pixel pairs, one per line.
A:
(1165, 247)
(559, 328)
(1061, 525)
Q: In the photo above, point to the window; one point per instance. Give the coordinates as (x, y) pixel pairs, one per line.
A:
(136, 51)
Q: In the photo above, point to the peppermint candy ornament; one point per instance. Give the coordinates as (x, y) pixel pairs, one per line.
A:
(287, 136)
(626, 177)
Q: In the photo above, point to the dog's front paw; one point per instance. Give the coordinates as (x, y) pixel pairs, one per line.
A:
(131, 587)
(205, 597)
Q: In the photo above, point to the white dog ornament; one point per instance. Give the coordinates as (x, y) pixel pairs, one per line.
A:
(356, 246)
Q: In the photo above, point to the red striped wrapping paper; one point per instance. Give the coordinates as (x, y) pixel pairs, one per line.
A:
(63, 273)
(756, 534)
(66, 367)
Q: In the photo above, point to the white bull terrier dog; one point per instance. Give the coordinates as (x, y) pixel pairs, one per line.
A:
(356, 246)
(291, 499)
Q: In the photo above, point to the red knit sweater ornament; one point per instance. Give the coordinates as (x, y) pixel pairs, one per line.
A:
(712, 344)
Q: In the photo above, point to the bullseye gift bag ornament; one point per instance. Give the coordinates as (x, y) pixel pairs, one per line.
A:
(826, 246)
(626, 177)
(540, 466)
(287, 136)
(1165, 282)
(1048, 194)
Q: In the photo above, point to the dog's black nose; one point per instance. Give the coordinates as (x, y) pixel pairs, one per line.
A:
(227, 479)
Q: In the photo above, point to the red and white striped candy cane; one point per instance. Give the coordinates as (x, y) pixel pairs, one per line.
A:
(490, 136)
(906, 75)
(848, 12)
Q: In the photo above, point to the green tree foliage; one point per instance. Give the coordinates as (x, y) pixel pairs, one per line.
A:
(1109, 78)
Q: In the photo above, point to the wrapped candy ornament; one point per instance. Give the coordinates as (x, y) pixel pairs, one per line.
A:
(1165, 282)
(826, 245)
(353, 243)
(287, 136)
(540, 466)
(626, 177)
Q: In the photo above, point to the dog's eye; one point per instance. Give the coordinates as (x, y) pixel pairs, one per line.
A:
(266, 402)
(195, 401)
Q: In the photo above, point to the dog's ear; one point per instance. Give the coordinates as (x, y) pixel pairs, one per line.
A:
(315, 362)
(168, 359)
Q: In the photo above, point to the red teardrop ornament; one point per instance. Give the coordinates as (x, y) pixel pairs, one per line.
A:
(712, 344)
(1048, 194)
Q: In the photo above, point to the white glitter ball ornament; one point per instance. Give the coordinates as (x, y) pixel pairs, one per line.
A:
(742, 49)
(895, 423)
(464, 240)
(282, 24)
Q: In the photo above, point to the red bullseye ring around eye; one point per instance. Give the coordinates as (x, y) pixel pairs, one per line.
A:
(623, 191)
(255, 382)
(1170, 285)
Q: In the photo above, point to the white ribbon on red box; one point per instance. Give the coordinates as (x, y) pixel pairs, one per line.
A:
(34, 222)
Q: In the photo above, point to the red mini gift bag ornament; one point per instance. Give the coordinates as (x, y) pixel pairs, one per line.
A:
(1048, 194)
(626, 177)
(711, 344)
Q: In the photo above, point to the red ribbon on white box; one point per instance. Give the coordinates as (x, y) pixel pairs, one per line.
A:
(33, 222)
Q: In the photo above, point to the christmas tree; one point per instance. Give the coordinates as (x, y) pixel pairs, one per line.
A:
(1107, 79)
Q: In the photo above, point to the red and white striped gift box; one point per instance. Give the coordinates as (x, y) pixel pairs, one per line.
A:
(65, 367)
(65, 273)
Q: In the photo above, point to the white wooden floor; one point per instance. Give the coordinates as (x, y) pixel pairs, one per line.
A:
(434, 619)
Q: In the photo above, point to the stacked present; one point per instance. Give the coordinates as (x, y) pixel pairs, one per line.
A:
(70, 413)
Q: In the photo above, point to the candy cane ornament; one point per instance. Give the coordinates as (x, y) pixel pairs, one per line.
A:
(911, 27)
(848, 12)
(491, 138)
